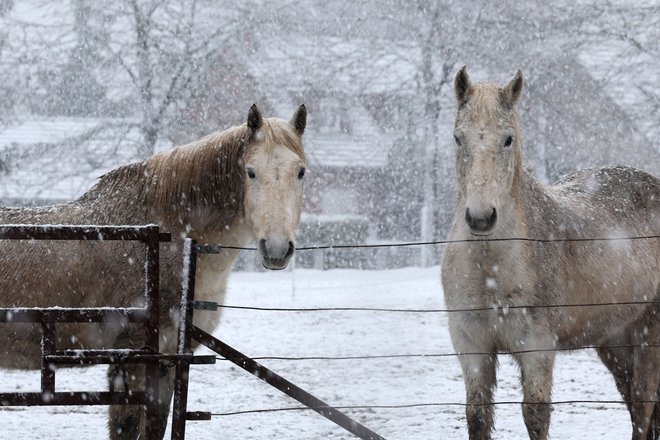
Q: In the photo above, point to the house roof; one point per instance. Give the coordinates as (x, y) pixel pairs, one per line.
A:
(341, 131)
(60, 158)
(47, 130)
(347, 139)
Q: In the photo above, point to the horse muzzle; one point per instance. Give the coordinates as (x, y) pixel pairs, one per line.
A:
(481, 222)
(276, 254)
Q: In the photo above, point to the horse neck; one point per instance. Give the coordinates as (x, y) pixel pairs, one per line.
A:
(236, 234)
(531, 204)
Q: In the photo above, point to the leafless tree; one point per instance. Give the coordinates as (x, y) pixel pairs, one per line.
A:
(132, 58)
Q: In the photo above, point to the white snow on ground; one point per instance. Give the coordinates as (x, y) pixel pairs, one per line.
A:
(224, 388)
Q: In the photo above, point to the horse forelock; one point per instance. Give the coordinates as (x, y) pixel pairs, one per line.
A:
(486, 104)
(486, 108)
(277, 132)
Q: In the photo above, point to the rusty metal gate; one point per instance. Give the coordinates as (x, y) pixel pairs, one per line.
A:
(150, 355)
(151, 237)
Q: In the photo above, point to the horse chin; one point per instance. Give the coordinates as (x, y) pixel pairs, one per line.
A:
(481, 234)
(274, 264)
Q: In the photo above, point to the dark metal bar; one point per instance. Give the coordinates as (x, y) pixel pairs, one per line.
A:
(90, 357)
(72, 398)
(205, 305)
(152, 303)
(80, 232)
(96, 359)
(202, 360)
(208, 248)
(284, 385)
(47, 347)
(182, 374)
(198, 415)
(62, 314)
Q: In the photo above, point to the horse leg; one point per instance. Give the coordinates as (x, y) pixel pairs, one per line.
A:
(654, 433)
(480, 379)
(536, 369)
(645, 382)
(166, 390)
(619, 361)
(124, 420)
(127, 421)
(636, 376)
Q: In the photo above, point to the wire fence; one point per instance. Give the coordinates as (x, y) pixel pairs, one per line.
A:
(502, 308)
(475, 240)
(439, 355)
(496, 307)
(433, 405)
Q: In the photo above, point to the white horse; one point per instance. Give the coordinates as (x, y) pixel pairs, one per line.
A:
(497, 198)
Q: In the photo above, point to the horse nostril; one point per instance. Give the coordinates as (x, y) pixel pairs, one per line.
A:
(262, 247)
(468, 217)
(492, 219)
(292, 248)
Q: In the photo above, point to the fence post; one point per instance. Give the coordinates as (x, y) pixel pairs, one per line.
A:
(179, 411)
(47, 369)
(152, 369)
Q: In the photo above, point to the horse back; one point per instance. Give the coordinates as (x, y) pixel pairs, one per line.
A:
(614, 197)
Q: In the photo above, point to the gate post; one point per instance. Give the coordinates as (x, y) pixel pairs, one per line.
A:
(152, 337)
(179, 411)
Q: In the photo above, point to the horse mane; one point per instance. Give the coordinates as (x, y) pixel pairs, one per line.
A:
(202, 177)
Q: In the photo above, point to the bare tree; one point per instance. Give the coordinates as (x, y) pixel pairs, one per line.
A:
(163, 47)
(132, 58)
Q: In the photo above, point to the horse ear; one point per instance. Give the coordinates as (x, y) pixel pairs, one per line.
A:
(514, 88)
(462, 85)
(254, 119)
(299, 119)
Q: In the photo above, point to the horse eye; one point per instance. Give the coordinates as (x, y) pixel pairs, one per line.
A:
(301, 173)
(508, 141)
(250, 173)
(458, 141)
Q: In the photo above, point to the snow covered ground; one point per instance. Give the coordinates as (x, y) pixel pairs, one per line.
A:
(223, 388)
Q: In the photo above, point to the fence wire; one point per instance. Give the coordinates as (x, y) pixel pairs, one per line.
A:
(436, 404)
(443, 242)
(439, 355)
(504, 308)
(501, 308)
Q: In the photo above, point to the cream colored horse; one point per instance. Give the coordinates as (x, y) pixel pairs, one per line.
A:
(230, 187)
(497, 198)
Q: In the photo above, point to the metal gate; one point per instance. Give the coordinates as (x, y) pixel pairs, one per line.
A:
(150, 355)
(147, 316)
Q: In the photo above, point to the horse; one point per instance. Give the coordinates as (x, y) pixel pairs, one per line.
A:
(548, 290)
(229, 187)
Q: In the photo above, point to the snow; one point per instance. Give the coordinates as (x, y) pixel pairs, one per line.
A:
(185, 294)
(415, 381)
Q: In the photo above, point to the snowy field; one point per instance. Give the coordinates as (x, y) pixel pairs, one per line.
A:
(223, 388)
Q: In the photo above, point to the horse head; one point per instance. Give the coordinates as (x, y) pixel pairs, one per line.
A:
(274, 170)
(487, 149)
